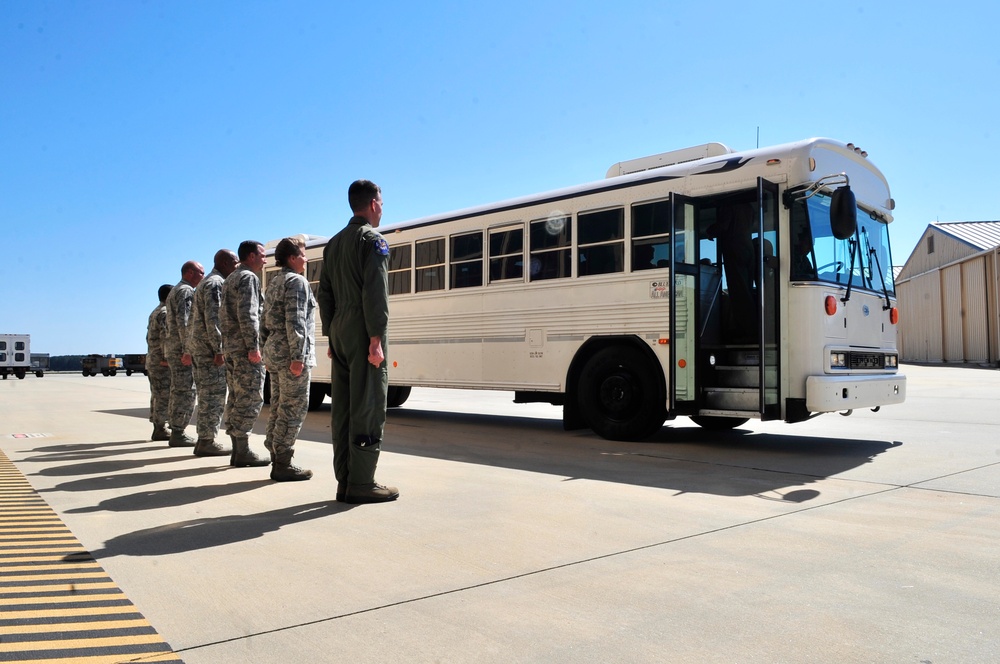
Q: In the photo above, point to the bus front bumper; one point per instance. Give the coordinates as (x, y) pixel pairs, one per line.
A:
(827, 394)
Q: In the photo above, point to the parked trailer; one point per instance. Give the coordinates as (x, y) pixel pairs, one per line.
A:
(135, 363)
(39, 364)
(15, 355)
(107, 365)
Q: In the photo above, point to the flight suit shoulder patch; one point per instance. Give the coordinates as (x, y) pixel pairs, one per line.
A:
(381, 246)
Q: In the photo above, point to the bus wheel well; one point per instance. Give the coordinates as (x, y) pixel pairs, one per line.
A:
(576, 417)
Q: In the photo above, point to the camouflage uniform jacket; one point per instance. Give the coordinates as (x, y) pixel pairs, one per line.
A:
(205, 338)
(156, 336)
(289, 319)
(240, 315)
(178, 319)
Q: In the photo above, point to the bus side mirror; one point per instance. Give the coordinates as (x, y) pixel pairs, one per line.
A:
(843, 213)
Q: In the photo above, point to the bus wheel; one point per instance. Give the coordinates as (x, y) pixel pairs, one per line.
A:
(397, 395)
(713, 423)
(618, 395)
(128, 372)
(317, 392)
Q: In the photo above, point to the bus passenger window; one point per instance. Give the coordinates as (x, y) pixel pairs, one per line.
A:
(399, 269)
(430, 265)
(550, 242)
(507, 254)
(601, 236)
(467, 260)
(650, 235)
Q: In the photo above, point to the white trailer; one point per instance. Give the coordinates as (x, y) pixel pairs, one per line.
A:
(15, 355)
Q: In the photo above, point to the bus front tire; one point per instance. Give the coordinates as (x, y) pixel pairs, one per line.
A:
(317, 392)
(619, 395)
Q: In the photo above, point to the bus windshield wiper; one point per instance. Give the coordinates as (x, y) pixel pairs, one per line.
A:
(873, 256)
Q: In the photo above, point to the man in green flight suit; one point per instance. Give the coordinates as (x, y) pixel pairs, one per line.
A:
(354, 309)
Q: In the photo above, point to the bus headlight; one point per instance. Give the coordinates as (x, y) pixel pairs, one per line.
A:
(838, 360)
(891, 361)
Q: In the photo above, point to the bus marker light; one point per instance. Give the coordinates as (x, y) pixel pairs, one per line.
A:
(395, 364)
(773, 162)
(831, 305)
(663, 342)
(682, 363)
(894, 315)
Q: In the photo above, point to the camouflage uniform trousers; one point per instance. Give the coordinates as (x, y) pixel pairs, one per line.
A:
(159, 395)
(289, 406)
(246, 394)
(182, 394)
(210, 381)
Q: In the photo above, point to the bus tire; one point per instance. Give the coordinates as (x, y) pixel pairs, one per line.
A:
(113, 372)
(128, 372)
(619, 395)
(317, 392)
(267, 388)
(714, 423)
(397, 395)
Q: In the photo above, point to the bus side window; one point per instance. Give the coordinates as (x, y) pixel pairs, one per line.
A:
(430, 265)
(551, 241)
(399, 269)
(467, 260)
(507, 254)
(601, 238)
(650, 236)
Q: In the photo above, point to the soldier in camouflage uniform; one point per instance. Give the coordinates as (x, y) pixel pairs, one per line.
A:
(156, 367)
(182, 392)
(239, 320)
(289, 322)
(204, 345)
(354, 306)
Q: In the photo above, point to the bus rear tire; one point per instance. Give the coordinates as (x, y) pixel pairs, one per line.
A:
(397, 395)
(317, 392)
(619, 395)
(713, 423)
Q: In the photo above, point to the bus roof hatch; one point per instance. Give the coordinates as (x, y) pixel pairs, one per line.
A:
(668, 159)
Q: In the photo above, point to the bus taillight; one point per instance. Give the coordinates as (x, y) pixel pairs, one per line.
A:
(831, 305)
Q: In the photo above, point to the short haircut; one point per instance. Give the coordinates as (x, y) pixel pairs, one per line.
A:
(361, 193)
(288, 247)
(164, 291)
(248, 247)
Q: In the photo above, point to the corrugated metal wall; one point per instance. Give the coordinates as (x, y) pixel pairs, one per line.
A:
(951, 314)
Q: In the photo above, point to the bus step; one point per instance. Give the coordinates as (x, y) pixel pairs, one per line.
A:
(732, 398)
(749, 414)
(733, 376)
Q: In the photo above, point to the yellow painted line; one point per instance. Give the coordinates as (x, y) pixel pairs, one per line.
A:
(110, 659)
(46, 628)
(57, 605)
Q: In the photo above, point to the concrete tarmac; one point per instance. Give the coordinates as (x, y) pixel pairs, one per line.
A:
(870, 538)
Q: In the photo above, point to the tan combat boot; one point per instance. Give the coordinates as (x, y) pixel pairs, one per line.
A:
(243, 456)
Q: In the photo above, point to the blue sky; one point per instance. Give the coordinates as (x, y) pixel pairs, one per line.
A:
(137, 135)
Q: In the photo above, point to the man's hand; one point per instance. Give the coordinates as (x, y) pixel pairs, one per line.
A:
(375, 354)
(296, 367)
(254, 357)
(186, 359)
(219, 359)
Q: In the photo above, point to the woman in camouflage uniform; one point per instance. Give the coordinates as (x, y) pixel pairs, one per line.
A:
(290, 355)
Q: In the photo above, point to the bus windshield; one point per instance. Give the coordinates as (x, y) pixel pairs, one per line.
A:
(863, 260)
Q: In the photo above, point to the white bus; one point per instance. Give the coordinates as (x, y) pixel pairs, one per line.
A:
(706, 283)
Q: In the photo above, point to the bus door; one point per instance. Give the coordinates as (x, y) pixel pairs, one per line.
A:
(683, 304)
(766, 245)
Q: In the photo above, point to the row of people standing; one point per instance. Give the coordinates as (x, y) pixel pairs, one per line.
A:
(212, 335)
